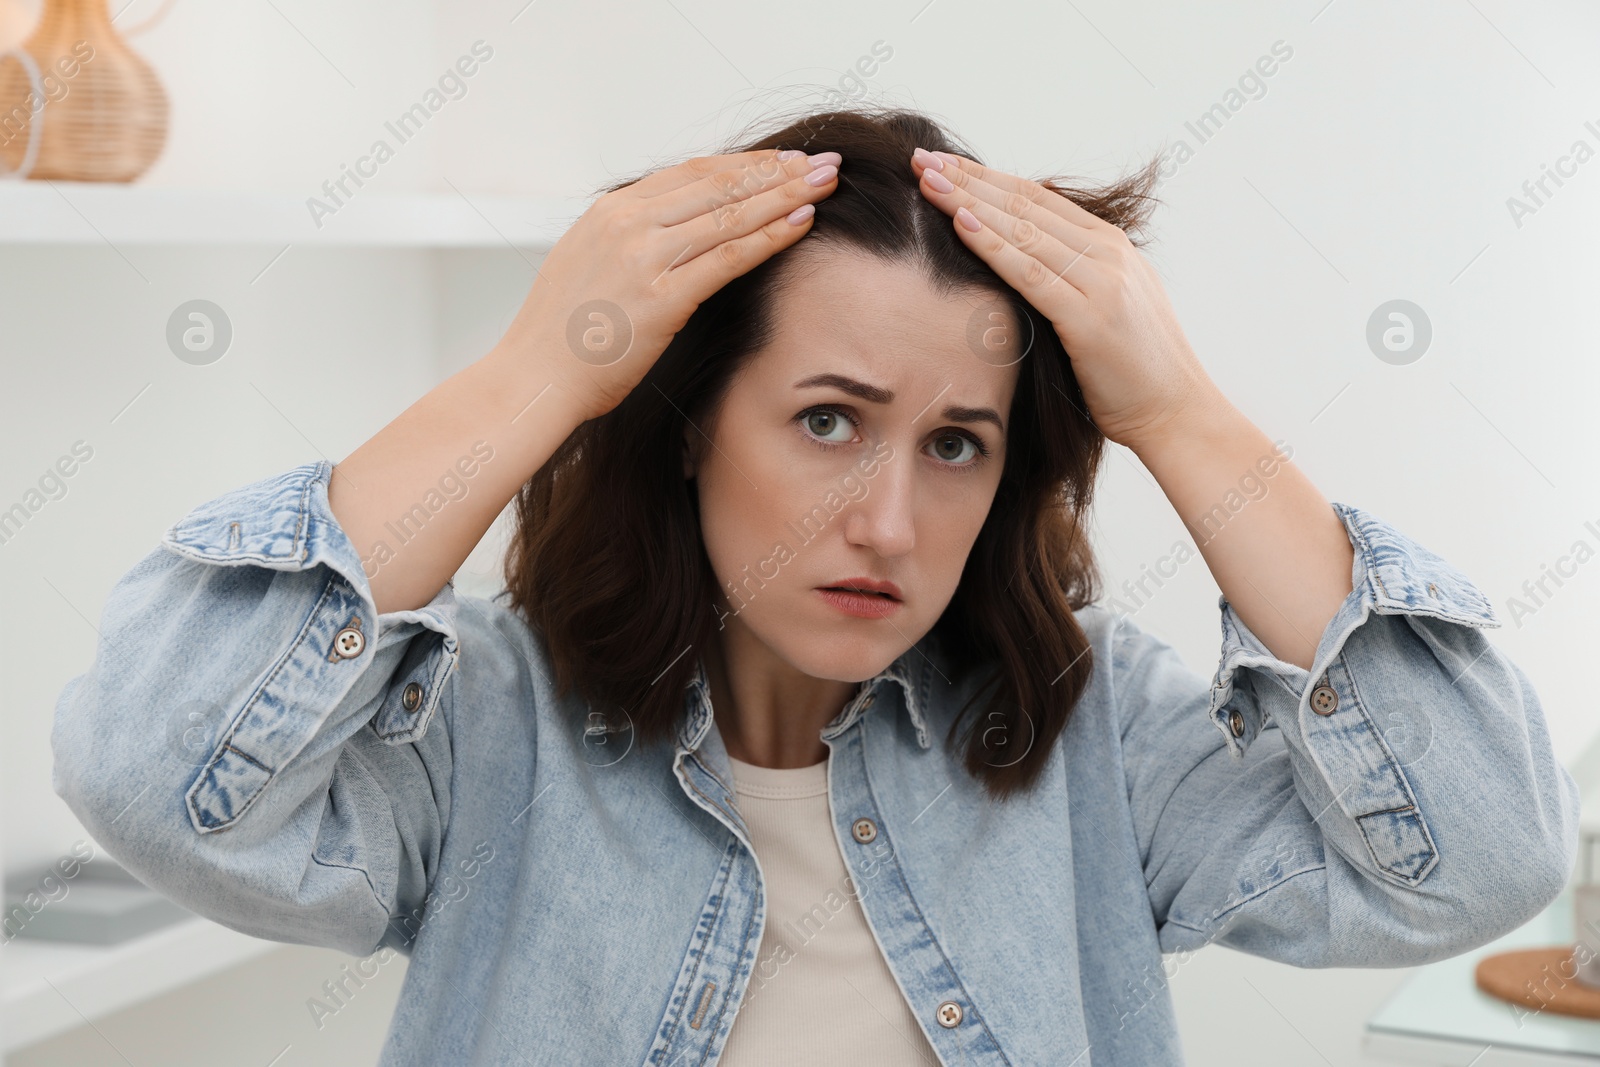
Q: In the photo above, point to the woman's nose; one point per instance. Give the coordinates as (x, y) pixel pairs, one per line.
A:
(883, 519)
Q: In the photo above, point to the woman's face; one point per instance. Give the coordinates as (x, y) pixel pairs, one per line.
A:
(853, 446)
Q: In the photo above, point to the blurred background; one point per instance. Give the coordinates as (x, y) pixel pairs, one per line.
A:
(1379, 231)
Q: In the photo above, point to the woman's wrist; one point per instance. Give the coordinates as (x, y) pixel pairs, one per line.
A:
(530, 380)
(1204, 414)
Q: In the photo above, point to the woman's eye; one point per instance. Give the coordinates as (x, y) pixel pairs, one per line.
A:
(830, 428)
(823, 422)
(953, 448)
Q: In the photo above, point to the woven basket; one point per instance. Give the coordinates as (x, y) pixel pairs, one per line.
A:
(107, 122)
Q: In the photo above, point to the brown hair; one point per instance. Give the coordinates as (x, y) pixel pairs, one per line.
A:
(607, 563)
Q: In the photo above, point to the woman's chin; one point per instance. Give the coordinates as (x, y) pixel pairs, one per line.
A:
(846, 657)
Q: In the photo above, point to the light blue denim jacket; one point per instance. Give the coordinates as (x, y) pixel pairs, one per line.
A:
(255, 741)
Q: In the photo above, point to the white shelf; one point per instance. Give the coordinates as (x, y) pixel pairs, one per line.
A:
(95, 213)
(45, 985)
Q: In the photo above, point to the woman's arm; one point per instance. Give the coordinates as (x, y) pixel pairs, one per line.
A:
(1416, 813)
(418, 496)
(619, 284)
(1283, 561)
(1407, 808)
(1273, 542)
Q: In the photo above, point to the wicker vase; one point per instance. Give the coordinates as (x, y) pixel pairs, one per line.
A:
(106, 121)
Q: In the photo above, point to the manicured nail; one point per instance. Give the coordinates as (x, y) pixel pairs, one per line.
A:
(788, 154)
(968, 219)
(822, 175)
(801, 213)
(948, 158)
(928, 159)
(822, 159)
(940, 183)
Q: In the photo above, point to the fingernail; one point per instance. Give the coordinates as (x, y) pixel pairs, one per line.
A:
(948, 158)
(927, 159)
(801, 213)
(968, 219)
(824, 158)
(822, 175)
(788, 154)
(939, 182)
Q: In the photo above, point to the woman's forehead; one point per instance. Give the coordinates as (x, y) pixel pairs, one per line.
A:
(885, 323)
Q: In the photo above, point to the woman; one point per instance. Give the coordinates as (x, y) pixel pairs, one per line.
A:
(797, 735)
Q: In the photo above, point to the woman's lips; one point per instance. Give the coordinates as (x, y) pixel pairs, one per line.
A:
(860, 605)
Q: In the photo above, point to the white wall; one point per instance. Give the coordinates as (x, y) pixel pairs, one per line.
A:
(1376, 165)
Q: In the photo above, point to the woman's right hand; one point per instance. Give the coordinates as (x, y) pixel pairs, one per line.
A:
(610, 296)
(620, 284)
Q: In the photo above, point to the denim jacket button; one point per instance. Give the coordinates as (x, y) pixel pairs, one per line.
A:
(864, 830)
(1236, 723)
(949, 1014)
(411, 697)
(349, 642)
(1324, 701)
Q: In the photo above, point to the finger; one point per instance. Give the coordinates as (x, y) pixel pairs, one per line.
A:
(743, 217)
(1062, 206)
(1027, 234)
(1029, 202)
(727, 189)
(1032, 203)
(725, 261)
(1039, 283)
(692, 170)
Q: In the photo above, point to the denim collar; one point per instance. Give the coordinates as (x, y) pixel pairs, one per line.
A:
(910, 671)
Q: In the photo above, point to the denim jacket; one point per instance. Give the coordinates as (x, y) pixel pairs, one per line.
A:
(255, 741)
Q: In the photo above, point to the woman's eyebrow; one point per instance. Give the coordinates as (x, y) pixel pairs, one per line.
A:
(877, 394)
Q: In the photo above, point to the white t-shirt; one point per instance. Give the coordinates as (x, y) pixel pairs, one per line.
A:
(820, 991)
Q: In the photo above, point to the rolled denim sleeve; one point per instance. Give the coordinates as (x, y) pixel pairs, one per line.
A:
(252, 738)
(1397, 804)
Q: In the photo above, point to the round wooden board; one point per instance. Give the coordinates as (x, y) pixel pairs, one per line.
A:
(1538, 978)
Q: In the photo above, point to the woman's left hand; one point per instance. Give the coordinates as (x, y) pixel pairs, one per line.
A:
(1138, 374)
